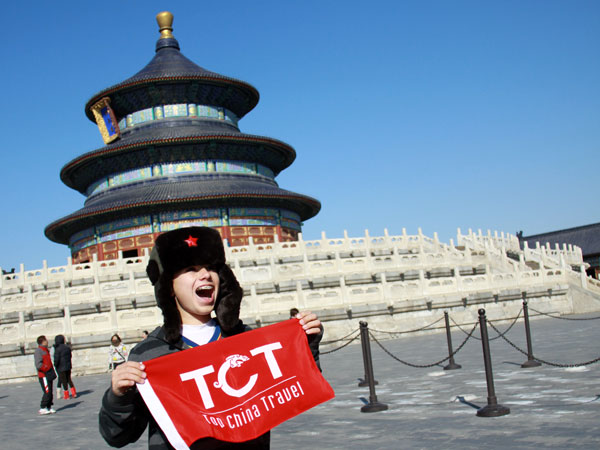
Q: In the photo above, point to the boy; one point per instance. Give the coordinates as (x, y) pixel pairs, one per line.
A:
(191, 280)
(46, 374)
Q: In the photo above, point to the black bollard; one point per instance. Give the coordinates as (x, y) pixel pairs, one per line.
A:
(492, 409)
(451, 364)
(373, 405)
(531, 362)
(365, 381)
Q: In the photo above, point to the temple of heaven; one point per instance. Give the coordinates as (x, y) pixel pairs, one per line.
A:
(174, 157)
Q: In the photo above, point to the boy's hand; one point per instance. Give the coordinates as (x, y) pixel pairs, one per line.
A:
(125, 376)
(309, 321)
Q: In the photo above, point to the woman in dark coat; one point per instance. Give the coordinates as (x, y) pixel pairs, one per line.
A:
(62, 363)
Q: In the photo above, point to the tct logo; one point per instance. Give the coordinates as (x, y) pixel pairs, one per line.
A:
(233, 361)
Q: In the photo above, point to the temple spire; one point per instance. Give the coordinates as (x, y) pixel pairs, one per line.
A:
(165, 24)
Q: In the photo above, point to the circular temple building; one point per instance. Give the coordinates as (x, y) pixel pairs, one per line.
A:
(174, 157)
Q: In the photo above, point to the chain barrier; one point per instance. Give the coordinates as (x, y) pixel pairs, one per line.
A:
(495, 337)
(343, 345)
(342, 338)
(587, 363)
(408, 331)
(469, 334)
(426, 366)
(563, 318)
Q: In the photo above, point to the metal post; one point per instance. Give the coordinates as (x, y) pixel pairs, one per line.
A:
(492, 409)
(451, 364)
(531, 362)
(365, 381)
(373, 405)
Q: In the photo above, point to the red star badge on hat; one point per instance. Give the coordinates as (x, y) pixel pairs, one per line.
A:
(191, 241)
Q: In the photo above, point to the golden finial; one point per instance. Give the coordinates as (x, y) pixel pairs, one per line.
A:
(165, 24)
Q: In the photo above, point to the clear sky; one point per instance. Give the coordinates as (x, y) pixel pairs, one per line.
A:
(431, 114)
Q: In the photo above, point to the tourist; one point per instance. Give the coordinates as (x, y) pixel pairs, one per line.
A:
(46, 374)
(117, 352)
(144, 334)
(191, 280)
(58, 388)
(293, 312)
(62, 363)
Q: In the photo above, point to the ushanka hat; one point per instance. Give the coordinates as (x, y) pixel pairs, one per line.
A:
(185, 247)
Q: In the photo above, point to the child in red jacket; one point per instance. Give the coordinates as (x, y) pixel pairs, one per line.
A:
(46, 374)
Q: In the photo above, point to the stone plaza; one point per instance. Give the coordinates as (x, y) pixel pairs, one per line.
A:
(550, 407)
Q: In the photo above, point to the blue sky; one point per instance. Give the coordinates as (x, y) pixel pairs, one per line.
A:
(431, 114)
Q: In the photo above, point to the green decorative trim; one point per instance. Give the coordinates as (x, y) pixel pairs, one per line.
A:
(191, 110)
(178, 168)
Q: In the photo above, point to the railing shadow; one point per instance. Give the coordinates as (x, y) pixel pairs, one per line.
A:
(461, 399)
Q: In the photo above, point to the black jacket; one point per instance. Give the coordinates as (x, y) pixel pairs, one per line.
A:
(62, 354)
(124, 419)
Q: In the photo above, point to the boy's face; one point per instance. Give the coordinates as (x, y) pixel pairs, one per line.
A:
(44, 343)
(196, 289)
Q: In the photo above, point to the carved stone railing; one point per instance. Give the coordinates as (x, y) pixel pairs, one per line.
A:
(89, 302)
(496, 240)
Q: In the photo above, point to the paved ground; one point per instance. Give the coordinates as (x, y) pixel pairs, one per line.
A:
(428, 408)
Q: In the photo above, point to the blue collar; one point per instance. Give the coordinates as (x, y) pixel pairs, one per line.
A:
(215, 337)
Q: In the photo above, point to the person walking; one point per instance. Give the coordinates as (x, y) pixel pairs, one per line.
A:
(46, 374)
(117, 352)
(62, 363)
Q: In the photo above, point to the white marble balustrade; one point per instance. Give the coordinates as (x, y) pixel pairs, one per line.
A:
(102, 297)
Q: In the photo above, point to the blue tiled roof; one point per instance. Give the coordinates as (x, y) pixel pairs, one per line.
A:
(133, 150)
(170, 77)
(182, 192)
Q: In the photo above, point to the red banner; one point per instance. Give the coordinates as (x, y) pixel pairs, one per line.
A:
(234, 389)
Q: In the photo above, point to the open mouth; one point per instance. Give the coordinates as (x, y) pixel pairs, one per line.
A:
(205, 292)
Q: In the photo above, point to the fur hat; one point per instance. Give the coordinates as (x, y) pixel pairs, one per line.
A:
(193, 246)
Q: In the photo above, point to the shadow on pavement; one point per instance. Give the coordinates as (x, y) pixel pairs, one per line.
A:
(512, 363)
(69, 406)
(86, 392)
(461, 399)
(559, 405)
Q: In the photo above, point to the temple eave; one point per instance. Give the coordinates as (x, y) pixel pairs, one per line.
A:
(285, 155)
(61, 230)
(250, 93)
